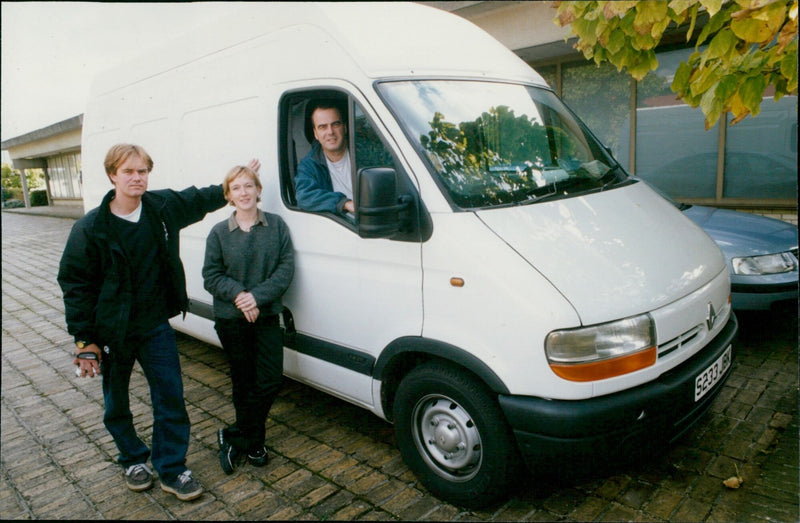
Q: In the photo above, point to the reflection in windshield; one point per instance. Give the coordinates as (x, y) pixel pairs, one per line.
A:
(499, 144)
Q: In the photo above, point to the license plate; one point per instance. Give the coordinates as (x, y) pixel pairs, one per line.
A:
(709, 377)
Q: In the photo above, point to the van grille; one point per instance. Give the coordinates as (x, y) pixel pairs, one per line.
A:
(678, 342)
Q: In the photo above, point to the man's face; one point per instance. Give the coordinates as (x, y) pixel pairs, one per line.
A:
(131, 177)
(329, 130)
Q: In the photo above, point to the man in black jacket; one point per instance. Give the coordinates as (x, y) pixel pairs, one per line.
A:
(122, 279)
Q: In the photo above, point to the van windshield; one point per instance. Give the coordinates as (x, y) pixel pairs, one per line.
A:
(496, 144)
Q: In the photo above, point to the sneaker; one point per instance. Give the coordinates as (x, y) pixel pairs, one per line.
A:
(138, 477)
(228, 454)
(221, 438)
(259, 458)
(185, 487)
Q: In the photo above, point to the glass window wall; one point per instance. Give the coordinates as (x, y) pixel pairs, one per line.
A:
(601, 97)
(64, 173)
(761, 153)
(751, 163)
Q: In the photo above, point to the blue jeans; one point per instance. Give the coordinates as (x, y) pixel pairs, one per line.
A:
(157, 353)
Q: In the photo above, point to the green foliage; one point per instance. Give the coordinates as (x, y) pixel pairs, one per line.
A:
(9, 179)
(751, 45)
(38, 198)
(12, 180)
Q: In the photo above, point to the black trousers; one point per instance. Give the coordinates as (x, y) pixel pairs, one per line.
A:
(255, 355)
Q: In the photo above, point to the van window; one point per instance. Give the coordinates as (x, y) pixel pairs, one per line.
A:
(493, 144)
(366, 147)
(369, 149)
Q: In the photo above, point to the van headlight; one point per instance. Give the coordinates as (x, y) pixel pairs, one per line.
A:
(767, 264)
(602, 351)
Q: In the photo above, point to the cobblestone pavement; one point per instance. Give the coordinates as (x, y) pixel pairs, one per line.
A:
(332, 460)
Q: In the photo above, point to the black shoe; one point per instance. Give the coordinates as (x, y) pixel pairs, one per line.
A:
(258, 458)
(228, 455)
(221, 438)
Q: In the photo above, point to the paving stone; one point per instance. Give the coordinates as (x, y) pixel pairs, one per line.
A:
(332, 460)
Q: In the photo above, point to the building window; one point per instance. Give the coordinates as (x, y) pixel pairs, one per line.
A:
(752, 163)
(761, 153)
(673, 150)
(64, 174)
(601, 97)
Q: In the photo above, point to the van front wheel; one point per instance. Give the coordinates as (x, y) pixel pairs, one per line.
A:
(452, 435)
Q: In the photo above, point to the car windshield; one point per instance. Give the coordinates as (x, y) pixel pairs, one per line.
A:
(496, 144)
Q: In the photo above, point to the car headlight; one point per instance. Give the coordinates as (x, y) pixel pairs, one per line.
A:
(767, 264)
(602, 351)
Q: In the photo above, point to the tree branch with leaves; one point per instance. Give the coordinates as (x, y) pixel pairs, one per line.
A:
(744, 47)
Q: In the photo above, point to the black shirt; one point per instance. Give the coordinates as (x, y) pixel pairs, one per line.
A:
(149, 306)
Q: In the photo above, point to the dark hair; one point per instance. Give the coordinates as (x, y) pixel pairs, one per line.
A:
(322, 103)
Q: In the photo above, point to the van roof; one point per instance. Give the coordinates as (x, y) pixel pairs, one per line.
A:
(382, 40)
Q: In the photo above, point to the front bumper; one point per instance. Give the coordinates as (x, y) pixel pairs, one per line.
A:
(621, 424)
(762, 296)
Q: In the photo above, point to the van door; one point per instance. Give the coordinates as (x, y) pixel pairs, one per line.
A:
(350, 296)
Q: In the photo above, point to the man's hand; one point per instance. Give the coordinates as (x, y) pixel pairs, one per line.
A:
(87, 367)
(254, 164)
(349, 206)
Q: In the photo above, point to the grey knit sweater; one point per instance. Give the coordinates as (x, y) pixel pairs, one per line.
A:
(260, 261)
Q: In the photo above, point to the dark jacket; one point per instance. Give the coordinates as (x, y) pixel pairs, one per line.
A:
(313, 186)
(95, 274)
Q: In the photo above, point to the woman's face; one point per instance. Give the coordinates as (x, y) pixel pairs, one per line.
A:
(243, 192)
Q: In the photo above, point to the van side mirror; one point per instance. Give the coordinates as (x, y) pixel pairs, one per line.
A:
(379, 208)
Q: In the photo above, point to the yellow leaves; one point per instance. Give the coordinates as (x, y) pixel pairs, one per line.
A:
(759, 25)
(722, 46)
(734, 481)
(750, 45)
(648, 13)
(712, 6)
(566, 15)
(788, 33)
(616, 9)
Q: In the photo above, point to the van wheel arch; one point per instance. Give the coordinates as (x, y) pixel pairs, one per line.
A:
(405, 354)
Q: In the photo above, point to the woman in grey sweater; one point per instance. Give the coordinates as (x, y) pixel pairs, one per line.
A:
(249, 264)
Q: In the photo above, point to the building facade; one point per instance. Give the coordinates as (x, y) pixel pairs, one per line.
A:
(56, 149)
(749, 166)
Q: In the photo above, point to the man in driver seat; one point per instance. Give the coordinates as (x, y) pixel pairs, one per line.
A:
(323, 182)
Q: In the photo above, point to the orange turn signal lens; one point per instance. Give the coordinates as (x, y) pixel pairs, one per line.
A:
(599, 370)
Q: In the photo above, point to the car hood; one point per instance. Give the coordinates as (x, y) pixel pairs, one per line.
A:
(612, 254)
(744, 234)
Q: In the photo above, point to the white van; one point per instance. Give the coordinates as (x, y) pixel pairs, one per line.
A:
(504, 294)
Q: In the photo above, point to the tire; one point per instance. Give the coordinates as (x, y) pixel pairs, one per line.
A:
(453, 436)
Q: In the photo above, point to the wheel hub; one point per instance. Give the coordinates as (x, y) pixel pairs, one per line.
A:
(448, 437)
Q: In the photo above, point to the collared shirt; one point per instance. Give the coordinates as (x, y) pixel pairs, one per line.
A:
(233, 224)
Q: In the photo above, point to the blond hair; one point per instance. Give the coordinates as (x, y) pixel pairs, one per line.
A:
(234, 173)
(119, 154)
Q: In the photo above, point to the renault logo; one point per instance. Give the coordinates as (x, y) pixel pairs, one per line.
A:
(711, 316)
